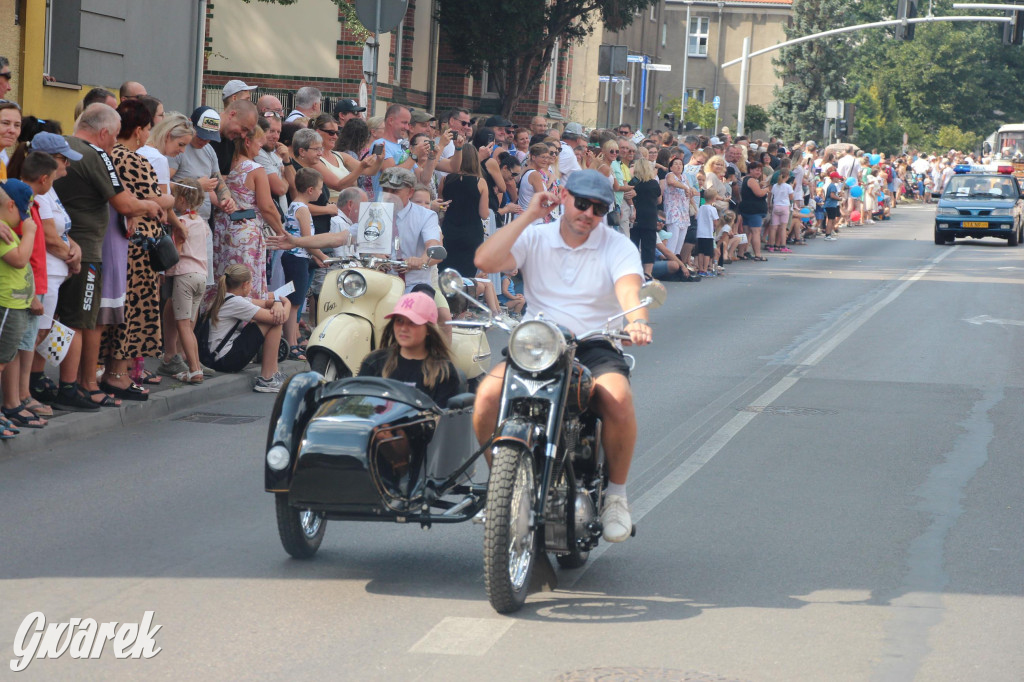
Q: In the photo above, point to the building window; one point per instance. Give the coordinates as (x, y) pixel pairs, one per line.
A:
(698, 36)
(553, 74)
(488, 85)
(63, 36)
(664, 33)
(695, 93)
(653, 18)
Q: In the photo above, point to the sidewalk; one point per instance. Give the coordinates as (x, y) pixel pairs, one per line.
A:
(168, 397)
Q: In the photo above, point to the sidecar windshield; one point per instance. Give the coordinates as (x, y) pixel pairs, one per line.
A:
(360, 392)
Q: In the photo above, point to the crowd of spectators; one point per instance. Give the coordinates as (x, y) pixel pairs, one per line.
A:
(239, 188)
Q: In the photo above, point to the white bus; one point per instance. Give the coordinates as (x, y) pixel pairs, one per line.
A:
(1009, 142)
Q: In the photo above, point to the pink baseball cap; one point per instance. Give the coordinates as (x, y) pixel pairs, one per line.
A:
(416, 307)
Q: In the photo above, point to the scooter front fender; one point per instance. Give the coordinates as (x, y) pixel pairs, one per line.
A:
(347, 338)
(471, 352)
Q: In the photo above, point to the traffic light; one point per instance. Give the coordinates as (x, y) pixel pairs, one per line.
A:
(905, 9)
(842, 128)
(689, 125)
(670, 120)
(1013, 31)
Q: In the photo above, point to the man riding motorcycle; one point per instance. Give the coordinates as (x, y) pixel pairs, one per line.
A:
(578, 272)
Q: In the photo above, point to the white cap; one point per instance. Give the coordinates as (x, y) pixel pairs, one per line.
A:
(235, 87)
(715, 141)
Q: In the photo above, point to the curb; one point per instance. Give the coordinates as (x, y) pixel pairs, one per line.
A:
(165, 402)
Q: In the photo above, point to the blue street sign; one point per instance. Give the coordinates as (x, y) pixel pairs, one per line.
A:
(638, 58)
(716, 102)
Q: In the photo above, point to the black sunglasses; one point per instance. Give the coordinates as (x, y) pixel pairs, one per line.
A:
(329, 132)
(581, 204)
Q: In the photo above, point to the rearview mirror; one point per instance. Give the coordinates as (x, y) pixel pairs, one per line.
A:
(653, 293)
(450, 281)
(436, 253)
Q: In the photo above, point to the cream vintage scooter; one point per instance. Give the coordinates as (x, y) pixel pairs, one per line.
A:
(357, 293)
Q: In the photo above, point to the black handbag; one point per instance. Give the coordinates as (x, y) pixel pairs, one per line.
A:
(163, 255)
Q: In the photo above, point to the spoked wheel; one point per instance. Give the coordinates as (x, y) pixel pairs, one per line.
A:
(510, 544)
(301, 530)
(329, 366)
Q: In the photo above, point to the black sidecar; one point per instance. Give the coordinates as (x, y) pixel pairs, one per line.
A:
(367, 449)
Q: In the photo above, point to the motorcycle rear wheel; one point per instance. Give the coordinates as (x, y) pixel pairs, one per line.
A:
(510, 545)
(301, 530)
(331, 368)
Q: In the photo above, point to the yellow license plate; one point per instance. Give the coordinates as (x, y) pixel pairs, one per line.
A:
(968, 224)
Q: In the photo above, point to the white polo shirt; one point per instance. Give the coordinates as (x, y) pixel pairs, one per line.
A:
(574, 287)
(416, 226)
(567, 162)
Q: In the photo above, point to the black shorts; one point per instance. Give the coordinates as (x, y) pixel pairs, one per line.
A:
(705, 246)
(601, 357)
(242, 351)
(691, 234)
(78, 300)
(832, 212)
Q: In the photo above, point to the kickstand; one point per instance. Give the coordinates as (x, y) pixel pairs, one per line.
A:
(543, 578)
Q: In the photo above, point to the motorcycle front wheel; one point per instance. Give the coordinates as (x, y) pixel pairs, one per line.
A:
(510, 544)
(301, 530)
(329, 366)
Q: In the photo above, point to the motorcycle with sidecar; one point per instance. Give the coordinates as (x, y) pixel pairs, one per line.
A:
(373, 449)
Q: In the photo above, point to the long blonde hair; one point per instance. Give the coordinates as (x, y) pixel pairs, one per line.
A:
(643, 170)
(235, 275)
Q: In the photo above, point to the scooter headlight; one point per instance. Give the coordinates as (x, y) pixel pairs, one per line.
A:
(351, 284)
(278, 457)
(535, 345)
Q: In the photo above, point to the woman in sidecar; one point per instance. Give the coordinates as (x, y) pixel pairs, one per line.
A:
(394, 443)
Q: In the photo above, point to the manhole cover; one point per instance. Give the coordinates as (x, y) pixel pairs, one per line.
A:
(783, 411)
(641, 675)
(216, 418)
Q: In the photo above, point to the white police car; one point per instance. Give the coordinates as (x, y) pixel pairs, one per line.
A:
(981, 201)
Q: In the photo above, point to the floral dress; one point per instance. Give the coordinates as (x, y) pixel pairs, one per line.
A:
(241, 241)
(140, 334)
(677, 211)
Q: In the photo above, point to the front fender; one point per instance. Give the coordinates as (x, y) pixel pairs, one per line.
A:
(347, 337)
(519, 431)
(291, 410)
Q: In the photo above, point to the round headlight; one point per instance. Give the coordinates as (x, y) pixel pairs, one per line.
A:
(351, 284)
(278, 457)
(535, 345)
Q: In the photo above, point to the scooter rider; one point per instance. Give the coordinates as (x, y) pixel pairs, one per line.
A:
(578, 272)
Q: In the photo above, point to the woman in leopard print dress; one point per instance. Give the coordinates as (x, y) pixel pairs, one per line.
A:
(139, 335)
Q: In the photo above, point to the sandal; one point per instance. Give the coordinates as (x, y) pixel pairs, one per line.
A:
(748, 256)
(108, 400)
(17, 416)
(6, 425)
(37, 407)
(151, 378)
(195, 377)
(43, 389)
(297, 353)
(130, 392)
(759, 258)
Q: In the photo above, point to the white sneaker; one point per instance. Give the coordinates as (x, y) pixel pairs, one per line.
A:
(618, 525)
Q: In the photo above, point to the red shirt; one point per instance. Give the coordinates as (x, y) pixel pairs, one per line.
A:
(38, 258)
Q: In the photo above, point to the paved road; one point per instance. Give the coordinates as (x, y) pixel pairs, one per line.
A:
(828, 487)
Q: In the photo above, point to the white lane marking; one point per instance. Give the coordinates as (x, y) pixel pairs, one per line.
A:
(827, 341)
(456, 636)
(985, 319)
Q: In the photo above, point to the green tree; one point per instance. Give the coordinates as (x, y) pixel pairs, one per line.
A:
(951, 137)
(755, 117)
(876, 123)
(701, 113)
(811, 72)
(515, 39)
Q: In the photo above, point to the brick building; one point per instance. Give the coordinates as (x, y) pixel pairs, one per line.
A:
(252, 42)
